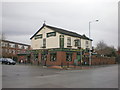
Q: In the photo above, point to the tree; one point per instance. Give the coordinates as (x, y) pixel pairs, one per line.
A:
(110, 51)
(118, 55)
(118, 49)
(101, 45)
(105, 50)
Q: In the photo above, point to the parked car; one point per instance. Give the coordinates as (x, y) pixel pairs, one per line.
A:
(7, 61)
(10, 61)
(3, 60)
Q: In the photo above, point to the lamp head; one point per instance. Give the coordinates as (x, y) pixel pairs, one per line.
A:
(97, 20)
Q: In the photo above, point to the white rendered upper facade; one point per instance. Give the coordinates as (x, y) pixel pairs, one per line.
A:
(49, 37)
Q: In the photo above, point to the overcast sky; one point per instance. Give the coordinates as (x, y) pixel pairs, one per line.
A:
(20, 20)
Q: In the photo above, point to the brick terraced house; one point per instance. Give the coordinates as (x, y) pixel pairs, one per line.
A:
(55, 46)
(10, 49)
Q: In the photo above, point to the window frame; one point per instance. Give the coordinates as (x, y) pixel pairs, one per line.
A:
(61, 41)
(68, 41)
(36, 57)
(44, 42)
(67, 56)
(43, 57)
(77, 43)
(39, 36)
(50, 34)
(87, 44)
(53, 55)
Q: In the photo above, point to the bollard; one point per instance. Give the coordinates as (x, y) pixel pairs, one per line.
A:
(74, 65)
(31, 62)
(38, 63)
(61, 64)
(45, 63)
(67, 65)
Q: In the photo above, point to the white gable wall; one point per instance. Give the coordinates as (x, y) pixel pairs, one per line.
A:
(51, 42)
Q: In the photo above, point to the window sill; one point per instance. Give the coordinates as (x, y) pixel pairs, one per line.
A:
(69, 46)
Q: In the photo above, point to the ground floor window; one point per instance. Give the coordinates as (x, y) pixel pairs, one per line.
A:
(43, 57)
(53, 56)
(68, 56)
(36, 57)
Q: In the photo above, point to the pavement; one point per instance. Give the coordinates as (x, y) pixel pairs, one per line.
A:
(27, 76)
(72, 67)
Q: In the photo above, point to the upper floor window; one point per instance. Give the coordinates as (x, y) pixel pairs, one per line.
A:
(86, 42)
(44, 43)
(38, 36)
(12, 45)
(61, 41)
(20, 46)
(77, 43)
(69, 41)
(51, 34)
(25, 47)
(4, 44)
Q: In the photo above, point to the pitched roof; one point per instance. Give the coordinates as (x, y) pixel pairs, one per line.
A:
(62, 31)
(15, 42)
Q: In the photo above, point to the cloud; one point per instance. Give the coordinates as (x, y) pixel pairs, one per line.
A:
(25, 18)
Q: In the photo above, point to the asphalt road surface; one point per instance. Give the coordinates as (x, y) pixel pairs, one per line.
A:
(21, 76)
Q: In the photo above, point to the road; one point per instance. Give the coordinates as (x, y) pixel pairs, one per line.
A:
(21, 76)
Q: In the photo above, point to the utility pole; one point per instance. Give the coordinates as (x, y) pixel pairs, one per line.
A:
(90, 41)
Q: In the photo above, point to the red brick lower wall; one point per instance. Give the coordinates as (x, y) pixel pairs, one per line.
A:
(61, 59)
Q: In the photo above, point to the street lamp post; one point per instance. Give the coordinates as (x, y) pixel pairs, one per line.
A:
(89, 41)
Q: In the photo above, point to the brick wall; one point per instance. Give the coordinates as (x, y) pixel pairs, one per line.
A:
(103, 60)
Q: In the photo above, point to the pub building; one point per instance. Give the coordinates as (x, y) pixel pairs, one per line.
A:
(55, 46)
